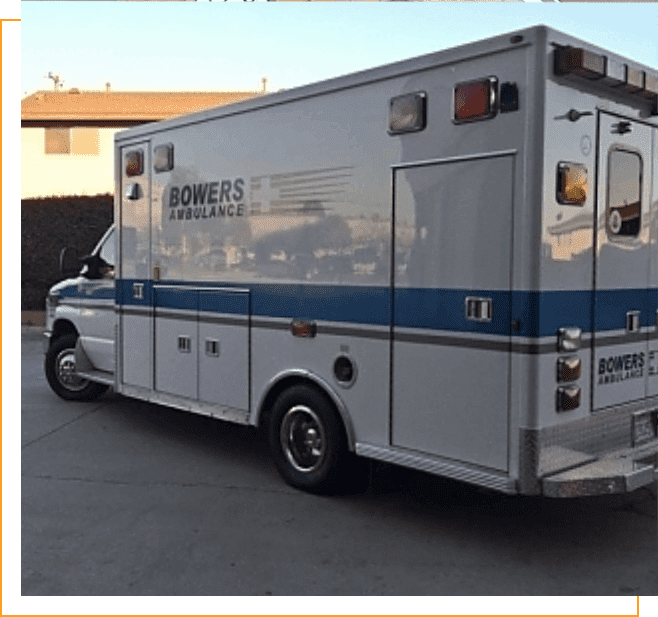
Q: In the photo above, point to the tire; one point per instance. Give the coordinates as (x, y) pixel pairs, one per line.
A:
(308, 440)
(60, 372)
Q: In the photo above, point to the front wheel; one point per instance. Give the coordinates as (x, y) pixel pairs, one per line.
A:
(61, 374)
(308, 440)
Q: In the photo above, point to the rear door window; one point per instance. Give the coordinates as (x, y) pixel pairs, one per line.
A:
(624, 209)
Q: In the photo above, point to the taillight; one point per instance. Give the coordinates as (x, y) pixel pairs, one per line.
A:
(568, 370)
(568, 398)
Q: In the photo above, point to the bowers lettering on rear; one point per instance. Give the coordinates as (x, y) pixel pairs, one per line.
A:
(620, 368)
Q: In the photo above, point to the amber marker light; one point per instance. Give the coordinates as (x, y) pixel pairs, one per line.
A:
(571, 184)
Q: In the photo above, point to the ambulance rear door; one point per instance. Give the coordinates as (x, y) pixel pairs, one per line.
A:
(624, 302)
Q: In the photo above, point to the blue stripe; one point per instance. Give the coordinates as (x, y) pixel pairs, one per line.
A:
(364, 305)
(101, 293)
(543, 313)
(539, 313)
(234, 303)
(612, 306)
(444, 309)
(176, 299)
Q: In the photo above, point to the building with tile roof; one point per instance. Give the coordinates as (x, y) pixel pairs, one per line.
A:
(67, 135)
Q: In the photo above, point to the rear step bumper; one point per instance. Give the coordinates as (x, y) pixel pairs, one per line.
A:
(617, 472)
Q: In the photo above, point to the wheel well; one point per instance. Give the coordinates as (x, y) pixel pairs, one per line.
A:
(262, 420)
(60, 328)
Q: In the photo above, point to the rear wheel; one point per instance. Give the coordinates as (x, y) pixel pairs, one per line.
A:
(61, 373)
(308, 440)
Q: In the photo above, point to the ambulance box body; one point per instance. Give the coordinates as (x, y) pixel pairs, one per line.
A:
(449, 263)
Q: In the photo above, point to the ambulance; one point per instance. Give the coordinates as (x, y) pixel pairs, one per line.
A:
(448, 263)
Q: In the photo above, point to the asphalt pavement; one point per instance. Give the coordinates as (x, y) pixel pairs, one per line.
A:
(121, 498)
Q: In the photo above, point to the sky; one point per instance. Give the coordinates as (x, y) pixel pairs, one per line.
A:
(231, 46)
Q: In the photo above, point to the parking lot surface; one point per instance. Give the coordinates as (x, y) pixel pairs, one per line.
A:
(121, 497)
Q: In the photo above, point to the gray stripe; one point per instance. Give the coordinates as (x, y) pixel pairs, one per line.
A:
(622, 339)
(139, 312)
(269, 325)
(358, 332)
(227, 321)
(534, 349)
(326, 329)
(449, 341)
(503, 345)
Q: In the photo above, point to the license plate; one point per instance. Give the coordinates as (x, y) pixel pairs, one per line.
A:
(645, 426)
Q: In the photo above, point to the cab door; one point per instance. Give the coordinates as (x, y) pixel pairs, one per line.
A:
(97, 318)
(624, 303)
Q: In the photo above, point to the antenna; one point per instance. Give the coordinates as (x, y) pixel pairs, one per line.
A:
(58, 82)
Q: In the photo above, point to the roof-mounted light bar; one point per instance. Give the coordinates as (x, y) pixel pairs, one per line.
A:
(595, 67)
(573, 60)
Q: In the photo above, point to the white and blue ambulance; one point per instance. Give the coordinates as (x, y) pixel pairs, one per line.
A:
(449, 263)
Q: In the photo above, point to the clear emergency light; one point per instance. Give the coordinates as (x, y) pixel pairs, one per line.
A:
(163, 158)
(568, 339)
(407, 113)
(571, 184)
(475, 100)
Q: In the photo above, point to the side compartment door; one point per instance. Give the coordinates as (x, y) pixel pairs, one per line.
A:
(202, 344)
(624, 305)
(224, 347)
(175, 312)
(451, 315)
(134, 285)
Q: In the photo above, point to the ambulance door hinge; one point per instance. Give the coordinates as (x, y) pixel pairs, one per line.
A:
(622, 128)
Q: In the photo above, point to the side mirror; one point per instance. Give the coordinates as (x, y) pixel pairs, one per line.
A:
(97, 267)
(69, 262)
(94, 264)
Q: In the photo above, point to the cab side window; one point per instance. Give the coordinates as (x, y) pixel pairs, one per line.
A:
(108, 253)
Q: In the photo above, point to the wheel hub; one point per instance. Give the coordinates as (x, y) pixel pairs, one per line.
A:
(302, 438)
(66, 374)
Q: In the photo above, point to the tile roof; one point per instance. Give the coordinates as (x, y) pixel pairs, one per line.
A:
(113, 108)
